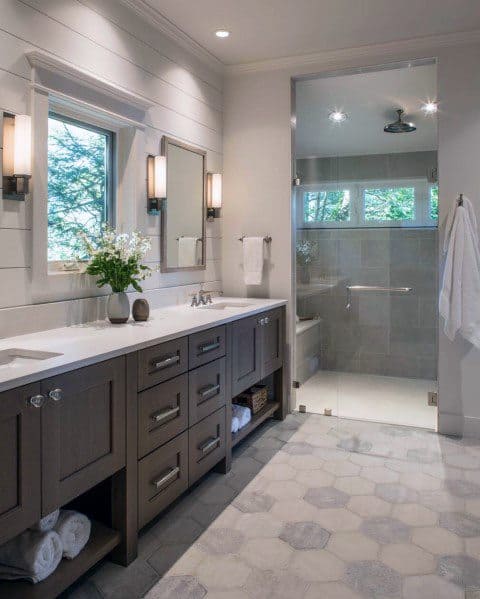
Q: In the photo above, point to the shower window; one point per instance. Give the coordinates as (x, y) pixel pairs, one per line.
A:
(398, 203)
(326, 206)
(389, 204)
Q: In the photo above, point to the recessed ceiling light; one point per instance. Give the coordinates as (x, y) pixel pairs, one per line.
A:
(430, 107)
(222, 33)
(337, 116)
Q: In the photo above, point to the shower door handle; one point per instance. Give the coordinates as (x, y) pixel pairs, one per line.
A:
(373, 289)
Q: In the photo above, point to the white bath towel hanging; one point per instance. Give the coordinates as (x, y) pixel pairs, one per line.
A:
(253, 260)
(187, 251)
(460, 294)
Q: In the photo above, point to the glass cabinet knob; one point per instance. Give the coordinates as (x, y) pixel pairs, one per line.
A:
(56, 394)
(37, 401)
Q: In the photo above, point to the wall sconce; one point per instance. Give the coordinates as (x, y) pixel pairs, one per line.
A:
(156, 183)
(214, 195)
(17, 156)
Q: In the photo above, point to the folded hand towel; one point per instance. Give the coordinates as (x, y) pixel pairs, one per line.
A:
(47, 522)
(243, 413)
(74, 531)
(252, 260)
(31, 555)
(187, 251)
(460, 293)
(235, 424)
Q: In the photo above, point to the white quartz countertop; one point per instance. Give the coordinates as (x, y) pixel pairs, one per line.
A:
(85, 344)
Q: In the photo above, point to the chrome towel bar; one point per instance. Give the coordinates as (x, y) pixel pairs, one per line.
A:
(376, 288)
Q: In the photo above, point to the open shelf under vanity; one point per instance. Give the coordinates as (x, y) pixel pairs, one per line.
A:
(266, 412)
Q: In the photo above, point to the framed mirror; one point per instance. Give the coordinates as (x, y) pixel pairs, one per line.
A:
(183, 216)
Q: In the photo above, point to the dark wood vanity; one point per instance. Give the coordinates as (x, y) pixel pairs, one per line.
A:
(123, 438)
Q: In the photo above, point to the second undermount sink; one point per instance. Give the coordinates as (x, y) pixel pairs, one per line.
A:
(7, 356)
(224, 305)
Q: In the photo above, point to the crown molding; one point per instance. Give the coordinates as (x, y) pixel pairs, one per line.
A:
(335, 57)
(155, 18)
(52, 64)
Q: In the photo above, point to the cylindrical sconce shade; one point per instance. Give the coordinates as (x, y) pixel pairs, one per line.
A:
(160, 177)
(22, 152)
(216, 191)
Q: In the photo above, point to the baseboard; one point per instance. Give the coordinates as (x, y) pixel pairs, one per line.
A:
(471, 427)
(450, 424)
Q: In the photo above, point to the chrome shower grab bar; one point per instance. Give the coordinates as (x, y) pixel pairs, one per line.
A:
(377, 288)
(373, 289)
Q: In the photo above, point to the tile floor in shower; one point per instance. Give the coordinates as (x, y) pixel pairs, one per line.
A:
(360, 510)
(386, 399)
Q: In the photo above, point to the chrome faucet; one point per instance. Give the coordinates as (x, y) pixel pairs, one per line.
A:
(201, 298)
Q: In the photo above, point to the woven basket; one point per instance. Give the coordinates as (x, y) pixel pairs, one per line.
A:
(255, 398)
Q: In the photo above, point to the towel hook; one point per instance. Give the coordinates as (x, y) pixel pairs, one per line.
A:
(460, 200)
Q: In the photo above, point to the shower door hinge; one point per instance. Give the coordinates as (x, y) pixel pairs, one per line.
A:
(432, 398)
(295, 384)
(296, 181)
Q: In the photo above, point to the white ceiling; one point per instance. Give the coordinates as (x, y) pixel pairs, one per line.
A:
(264, 29)
(370, 100)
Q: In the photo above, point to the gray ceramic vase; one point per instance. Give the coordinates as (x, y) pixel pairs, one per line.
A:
(118, 308)
(140, 310)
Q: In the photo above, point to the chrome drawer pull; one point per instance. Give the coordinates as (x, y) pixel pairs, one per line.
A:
(203, 349)
(209, 446)
(208, 391)
(170, 361)
(164, 414)
(166, 478)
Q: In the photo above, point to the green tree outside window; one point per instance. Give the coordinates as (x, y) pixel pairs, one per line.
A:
(385, 204)
(326, 206)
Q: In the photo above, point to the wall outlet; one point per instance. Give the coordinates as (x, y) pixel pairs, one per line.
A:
(432, 398)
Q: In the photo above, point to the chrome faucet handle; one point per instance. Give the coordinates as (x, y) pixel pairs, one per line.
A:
(209, 298)
(194, 303)
(202, 297)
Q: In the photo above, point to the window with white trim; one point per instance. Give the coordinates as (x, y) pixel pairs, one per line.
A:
(392, 203)
(80, 185)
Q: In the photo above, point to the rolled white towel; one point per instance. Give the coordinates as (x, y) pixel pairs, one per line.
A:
(243, 413)
(47, 522)
(31, 555)
(235, 424)
(74, 531)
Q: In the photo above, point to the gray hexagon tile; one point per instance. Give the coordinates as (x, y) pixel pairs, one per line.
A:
(385, 530)
(463, 570)
(305, 535)
(219, 541)
(253, 502)
(373, 579)
(462, 488)
(186, 587)
(326, 497)
(355, 445)
(463, 525)
(396, 493)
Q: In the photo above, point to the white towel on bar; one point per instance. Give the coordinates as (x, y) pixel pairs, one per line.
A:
(459, 302)
(73, 529)
(187, 251)
(31, 556)
(253, 260)
(47, 522)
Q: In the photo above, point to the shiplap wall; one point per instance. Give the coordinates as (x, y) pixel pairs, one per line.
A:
(109, 40)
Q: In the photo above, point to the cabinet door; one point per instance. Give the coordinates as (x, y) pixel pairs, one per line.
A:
(272, 341)
(246, 353)
(83, 430)
(20, 460)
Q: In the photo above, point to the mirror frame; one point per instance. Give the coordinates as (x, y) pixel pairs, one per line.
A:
(166, 142)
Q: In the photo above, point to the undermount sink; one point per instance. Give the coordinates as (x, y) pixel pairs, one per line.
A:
(9, 355)
(224, 305)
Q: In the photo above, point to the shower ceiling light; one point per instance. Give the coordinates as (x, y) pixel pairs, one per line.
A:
(430, 107)
(222, 33)
(337, 116)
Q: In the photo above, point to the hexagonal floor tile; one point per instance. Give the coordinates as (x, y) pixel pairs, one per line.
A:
(463, 525)
(342, 468)
(373, 579)
(330, 590)
(258, 525)
(186, 587)
(414, 514)
(462, 488)
(304, 535)
(421, 587)
(355, 445)
(266, 554)
(276, 585)
(222, 571)
(385, 530)
(326, 497)
(420, 481)
(369, 506)
(460, 569)
(315, 478)
(437, 540)
(253, 502)
(219, 541)
(408, 559)
(353, 546)
(317, 566)
(338, 519)
(380, 475)
(396, 493)
(355, 485)
(284, 490)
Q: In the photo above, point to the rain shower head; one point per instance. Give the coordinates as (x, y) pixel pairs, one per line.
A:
(399, 126)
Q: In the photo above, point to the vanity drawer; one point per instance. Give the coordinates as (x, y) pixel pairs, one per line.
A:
(162, 413)
(206, 346)
(206, 390)
(162, 477)
(161, 362)
(206, 444)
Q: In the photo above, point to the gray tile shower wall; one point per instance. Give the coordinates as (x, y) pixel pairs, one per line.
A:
(381, 333)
